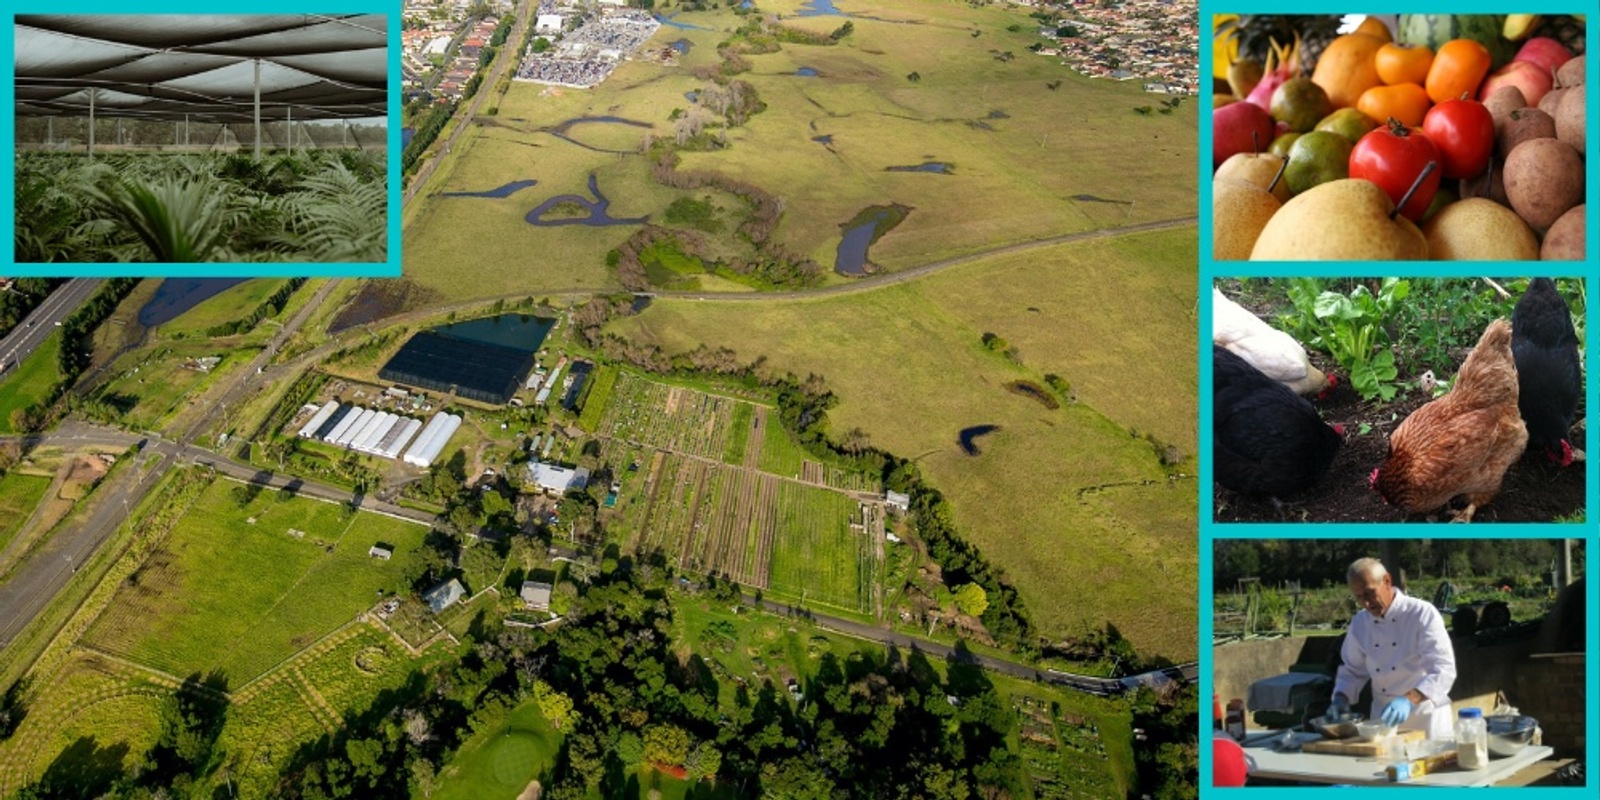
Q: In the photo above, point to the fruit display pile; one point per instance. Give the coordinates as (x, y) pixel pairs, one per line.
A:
(1413, 137)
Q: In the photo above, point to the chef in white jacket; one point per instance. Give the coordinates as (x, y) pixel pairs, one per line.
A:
(1400, 644)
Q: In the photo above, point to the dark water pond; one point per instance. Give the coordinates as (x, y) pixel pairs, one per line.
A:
(819, 8)
(806, 72)
(523, 332)
(941, 167)
(682, 26)
(1089, 198)
(682, 45)
(405, 136)
(692, 96)
(177, 295)
(598, 216)
(859, 234)
(497, 193)
(969, 437)
(825, 139)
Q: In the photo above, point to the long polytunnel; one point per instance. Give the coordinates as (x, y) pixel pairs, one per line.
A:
(208, 68)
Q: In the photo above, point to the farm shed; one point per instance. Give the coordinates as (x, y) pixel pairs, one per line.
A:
(536, 595)
(557, 480)
(444, 595)
(897, 500)
(379, 551)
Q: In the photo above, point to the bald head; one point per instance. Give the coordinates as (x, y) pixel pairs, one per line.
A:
(1371, 585)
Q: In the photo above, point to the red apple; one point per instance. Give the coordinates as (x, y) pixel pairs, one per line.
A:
(1545, 53)
(1232, 127)
(1532, 79)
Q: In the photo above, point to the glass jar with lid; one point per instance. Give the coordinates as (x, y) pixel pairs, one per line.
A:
(1472, 739)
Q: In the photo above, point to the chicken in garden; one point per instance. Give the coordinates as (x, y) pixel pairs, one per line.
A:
(1549, 378)
(1265, 438)
(1264, 347)
(1460, 444)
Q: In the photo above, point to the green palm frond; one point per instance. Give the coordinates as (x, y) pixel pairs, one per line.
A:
(178, 220)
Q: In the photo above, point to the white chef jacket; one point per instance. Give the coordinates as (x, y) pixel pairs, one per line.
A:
(1406, 648)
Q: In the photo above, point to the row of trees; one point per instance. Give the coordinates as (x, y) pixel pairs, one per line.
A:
(76, 348)
(1315, 563)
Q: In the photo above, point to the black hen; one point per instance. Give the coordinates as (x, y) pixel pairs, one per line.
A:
(1549, 377)
(1265, 438)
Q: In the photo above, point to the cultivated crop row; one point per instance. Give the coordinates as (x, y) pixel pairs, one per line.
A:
(669, 417)
(817, 555)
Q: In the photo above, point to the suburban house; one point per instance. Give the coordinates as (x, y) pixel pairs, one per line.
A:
(444, 595)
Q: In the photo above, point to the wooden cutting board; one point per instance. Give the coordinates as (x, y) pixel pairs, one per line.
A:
(1354, 747)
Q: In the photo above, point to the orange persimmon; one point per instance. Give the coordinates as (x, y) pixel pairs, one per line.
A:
(1406, 102)
(1457, 69)
(1401, 63)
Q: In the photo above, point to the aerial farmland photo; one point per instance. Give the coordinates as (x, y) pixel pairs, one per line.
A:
(781, 398)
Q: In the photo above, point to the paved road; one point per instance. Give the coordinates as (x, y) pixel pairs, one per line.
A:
(1091, 684)
(31, 332)
(506, 57)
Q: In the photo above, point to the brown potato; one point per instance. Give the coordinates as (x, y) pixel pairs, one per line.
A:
(1544, 178)
(1570, 118)
(1520, 126)
(1565, 241)
(1571, 73)
(1551, 101)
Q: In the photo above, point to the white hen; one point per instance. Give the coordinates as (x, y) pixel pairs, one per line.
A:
(1268, 349)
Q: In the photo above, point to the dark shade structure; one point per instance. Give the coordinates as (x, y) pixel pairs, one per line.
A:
(475, 370)
(580, 372)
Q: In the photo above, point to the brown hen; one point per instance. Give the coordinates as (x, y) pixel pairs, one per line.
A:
(1462, 443)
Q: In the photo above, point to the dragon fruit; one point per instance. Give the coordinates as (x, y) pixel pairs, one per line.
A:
(1283, 63)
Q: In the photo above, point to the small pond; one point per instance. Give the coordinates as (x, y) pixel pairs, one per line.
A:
(405, 136)
(806, 72)
(682, 26)
(819, 8)
(682, 45)
(941, 167)
(860, 232)
(598, 215)
(825, 139)
(497, 193)
(522, 332)
(968, 437)
(176, 295)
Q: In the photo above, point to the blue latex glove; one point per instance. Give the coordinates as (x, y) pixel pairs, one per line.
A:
(1398, 711)
(1340, 706)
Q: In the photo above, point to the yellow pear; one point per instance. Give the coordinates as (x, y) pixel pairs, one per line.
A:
(1258, 168)
(1478, 229)
(1239, 210)
(1342, 220)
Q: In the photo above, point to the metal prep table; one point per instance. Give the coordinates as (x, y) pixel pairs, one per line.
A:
(1267, 763)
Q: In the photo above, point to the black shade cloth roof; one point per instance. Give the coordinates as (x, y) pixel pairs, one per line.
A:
(164, 66)
(488, 373)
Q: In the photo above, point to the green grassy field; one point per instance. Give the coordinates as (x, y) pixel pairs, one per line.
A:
(159, 379)
(19, 495)
(233, 303)
(499, 762)
(816, 554)
(738, 433)
(30, 382)
(1021, 151)
(241, 589)
(602, 384)
(780, 455)
(1074, 508)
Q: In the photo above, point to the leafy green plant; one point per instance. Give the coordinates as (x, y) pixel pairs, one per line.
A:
(180, 220)
(1351, 329)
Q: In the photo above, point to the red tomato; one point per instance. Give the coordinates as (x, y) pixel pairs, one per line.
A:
(1463, 131)
(1392, 156)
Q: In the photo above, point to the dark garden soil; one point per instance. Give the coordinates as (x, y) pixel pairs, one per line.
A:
(1535, 489)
